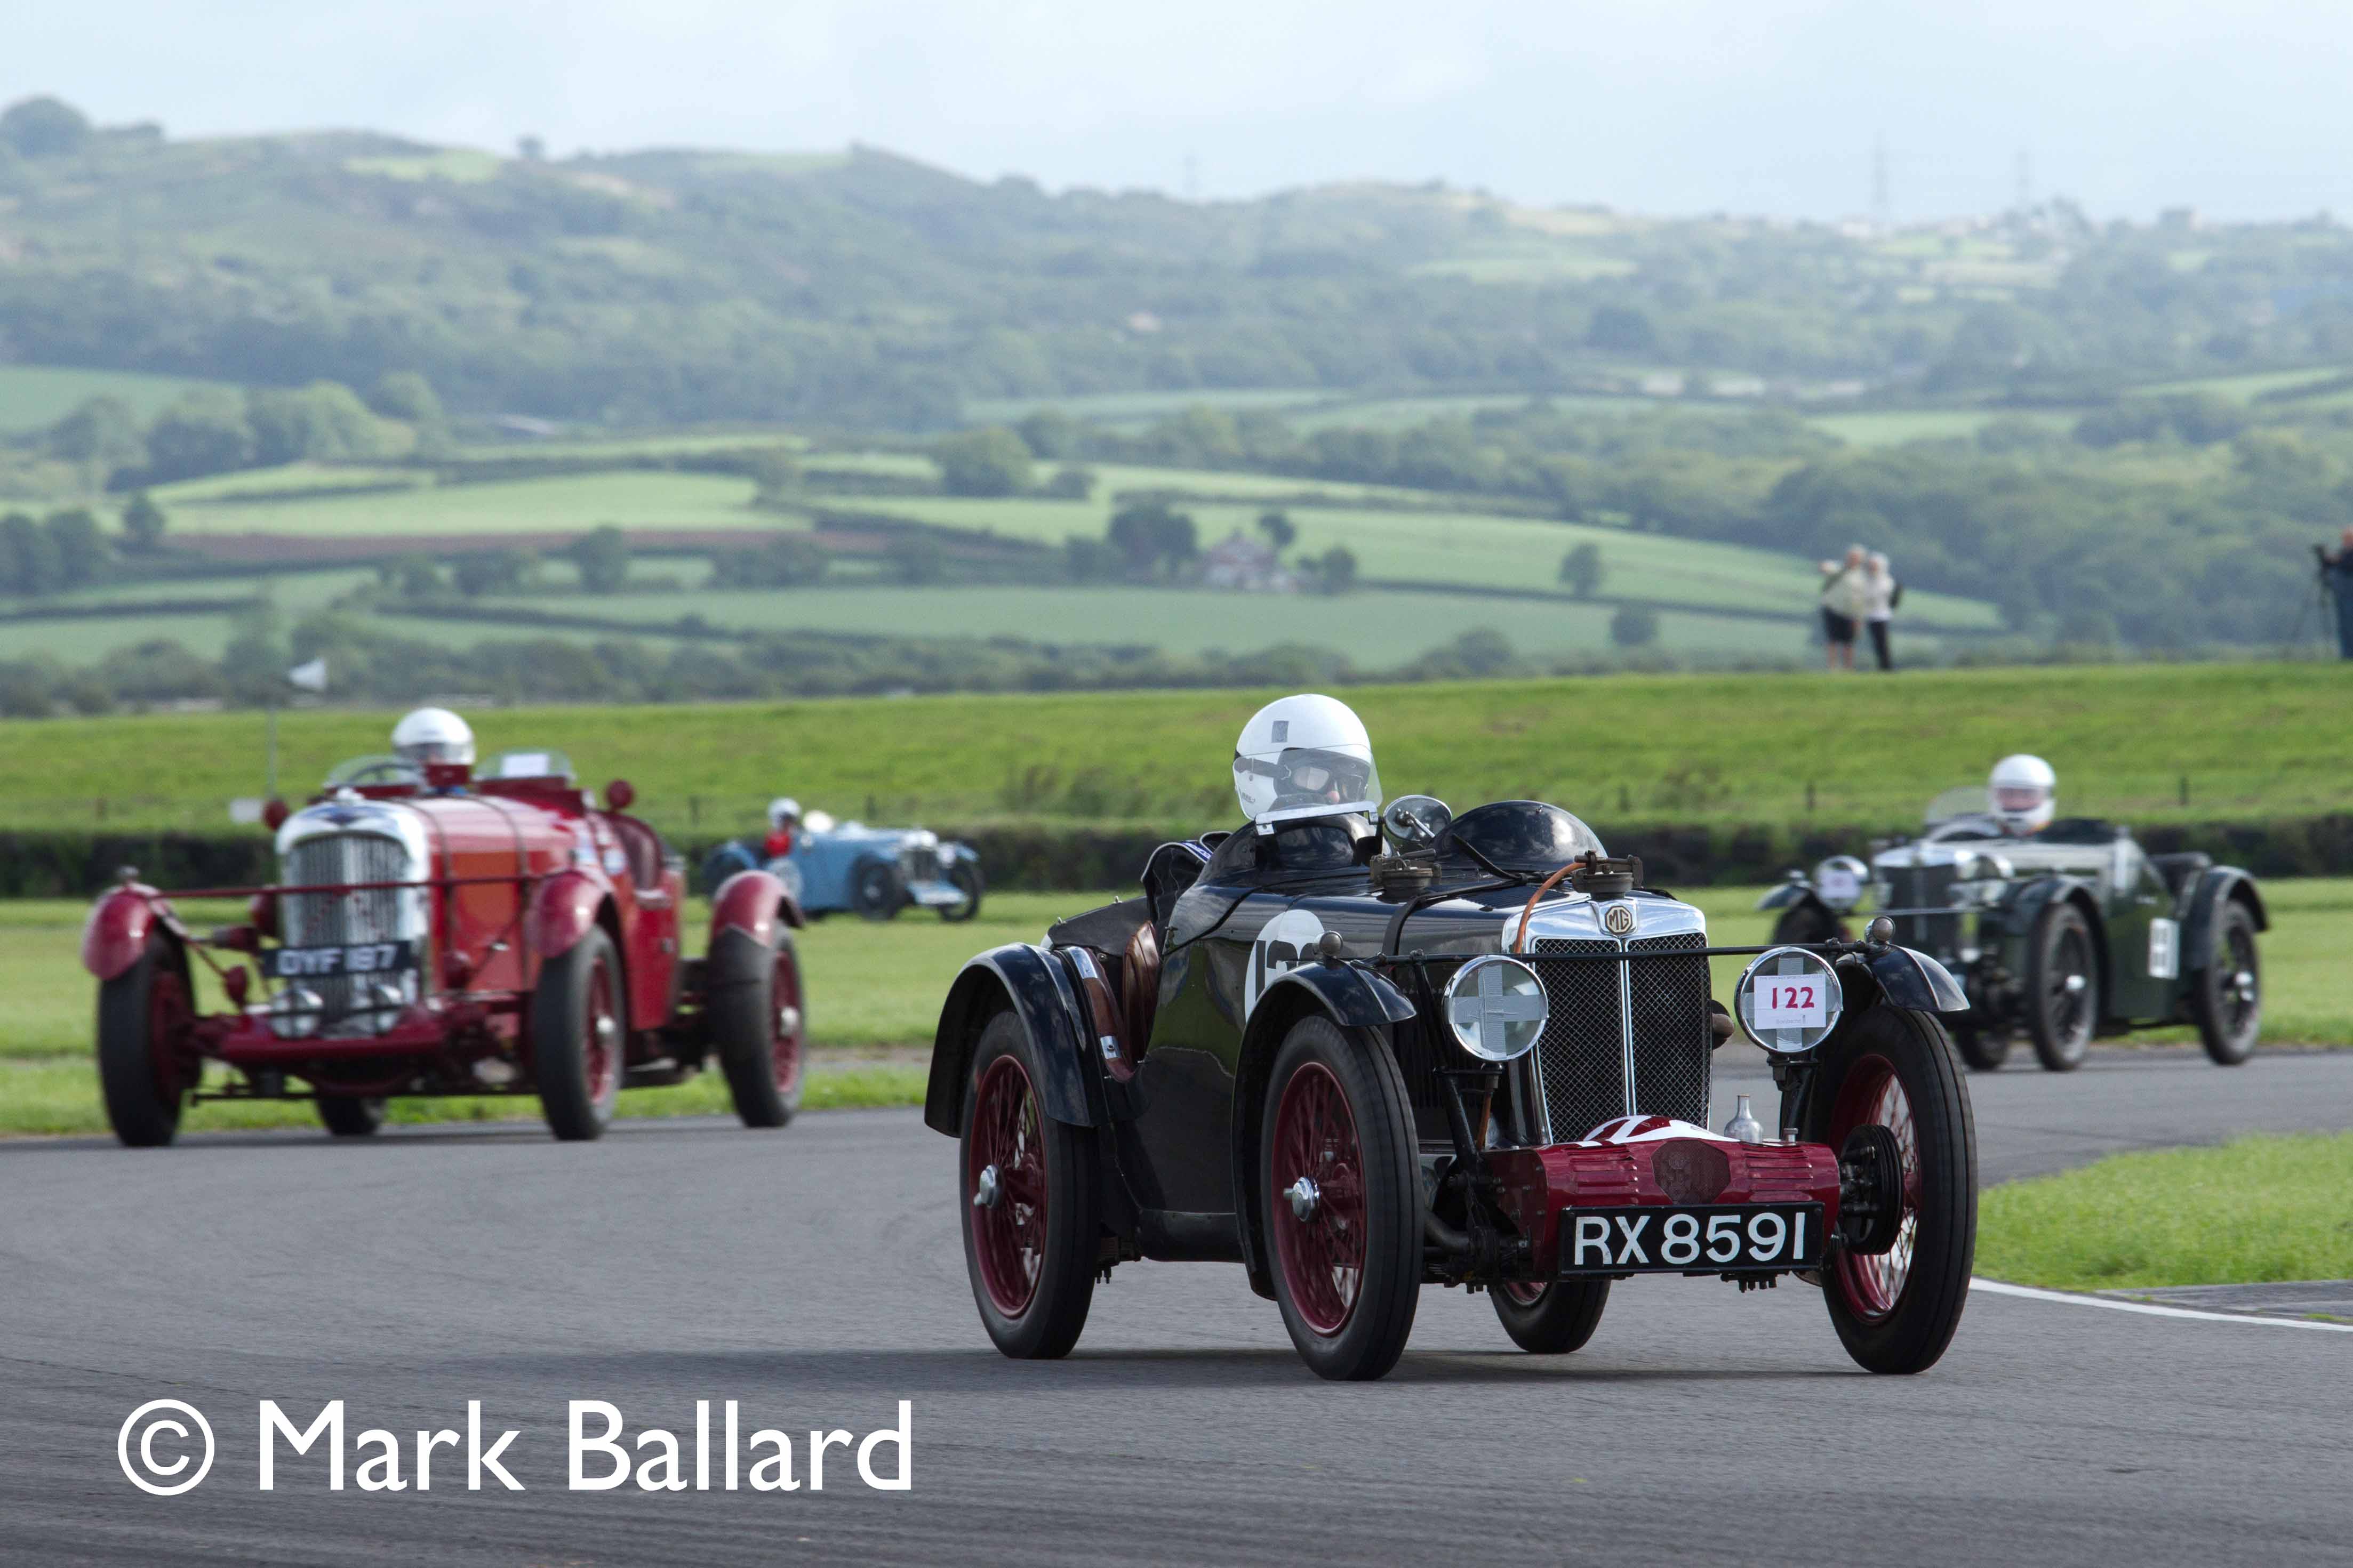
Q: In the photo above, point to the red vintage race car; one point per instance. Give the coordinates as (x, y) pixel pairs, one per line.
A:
(433, 934)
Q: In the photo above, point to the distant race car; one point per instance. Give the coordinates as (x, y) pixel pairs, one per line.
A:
(872, 872)
(436, 932)
(1478, 1056)
(2068, 933)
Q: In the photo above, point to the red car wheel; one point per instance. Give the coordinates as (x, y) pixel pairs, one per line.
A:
(1027, 1186)
(1550, 1318)
(1323, 1254)
(579, 1030)
(146, 1058)
(759, 1021)
(1341, 1202)
(1873, 1093)
(1896, 1310)
(790, 1022)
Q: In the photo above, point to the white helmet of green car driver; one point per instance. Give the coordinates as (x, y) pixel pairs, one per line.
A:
(2024, 791)
(1305, 756)
(433, 735)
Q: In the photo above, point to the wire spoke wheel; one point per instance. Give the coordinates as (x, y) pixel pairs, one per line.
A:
(1873, 1095)
(1323, 1251)
(790, 1022)
(600, 1046)
(1005, 1171)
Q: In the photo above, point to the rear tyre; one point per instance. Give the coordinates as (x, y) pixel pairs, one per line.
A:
(1896, 1312)
(1027, 1188)
(1985, 1049)
(759, 1021)
(2062, 987)
(348, 1117)
(1551, 1319)
(579, 1032)
(1343, 1201)
(2226, 997)
(877, 889)
(145, 1063)
(966, 875)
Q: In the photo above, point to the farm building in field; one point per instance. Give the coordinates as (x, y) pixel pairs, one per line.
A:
(1235, 562)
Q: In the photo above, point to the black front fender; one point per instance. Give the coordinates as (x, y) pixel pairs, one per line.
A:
(1787, 894)
(1353, 998)
(1909, 978)
(1030, 983)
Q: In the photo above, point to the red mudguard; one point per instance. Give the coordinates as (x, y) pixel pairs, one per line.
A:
(752, 902)
(115, 934)
(562, 911)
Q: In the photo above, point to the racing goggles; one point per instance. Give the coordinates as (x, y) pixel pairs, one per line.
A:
(2020, 797)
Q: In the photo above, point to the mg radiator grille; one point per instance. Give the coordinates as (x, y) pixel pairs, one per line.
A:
(321, 919)
(1583, 1052)
(1929, 888)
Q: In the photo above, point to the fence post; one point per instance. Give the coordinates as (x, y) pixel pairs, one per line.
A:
(1810, 797)
(694, 811)
(2185, 789)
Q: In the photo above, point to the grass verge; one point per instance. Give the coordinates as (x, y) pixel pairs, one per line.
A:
(2254, 1211)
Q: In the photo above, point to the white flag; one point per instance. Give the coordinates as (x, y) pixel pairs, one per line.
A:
(311, 676)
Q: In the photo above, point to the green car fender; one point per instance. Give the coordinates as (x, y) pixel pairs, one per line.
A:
(2013, 919)
(2217, 885)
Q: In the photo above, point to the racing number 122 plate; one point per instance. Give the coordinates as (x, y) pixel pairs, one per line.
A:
(1701, 1238)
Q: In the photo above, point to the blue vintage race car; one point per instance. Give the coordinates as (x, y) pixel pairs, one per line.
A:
(874, 872)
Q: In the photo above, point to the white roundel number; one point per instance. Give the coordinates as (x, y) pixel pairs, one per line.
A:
(1790, 999)
(1283, 945)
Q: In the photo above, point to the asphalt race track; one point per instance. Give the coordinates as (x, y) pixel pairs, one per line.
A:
(815, 1277)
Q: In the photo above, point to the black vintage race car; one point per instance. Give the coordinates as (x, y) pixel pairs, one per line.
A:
(1478, 1054)
(2069, 934)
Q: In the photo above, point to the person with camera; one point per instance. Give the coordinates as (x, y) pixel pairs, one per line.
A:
(2336, 575)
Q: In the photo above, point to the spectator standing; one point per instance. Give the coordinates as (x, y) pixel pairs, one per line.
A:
(1881, 594)
(1843, 605)
(2336, 571)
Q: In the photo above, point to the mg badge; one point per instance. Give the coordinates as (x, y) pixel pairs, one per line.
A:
(1618, 919)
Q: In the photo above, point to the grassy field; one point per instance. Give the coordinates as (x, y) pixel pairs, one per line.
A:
(2251, 739)
(873, 988)
(1893, 427)
(34, 395)
(1372, 627)
(2178, 1216)
(564, 504)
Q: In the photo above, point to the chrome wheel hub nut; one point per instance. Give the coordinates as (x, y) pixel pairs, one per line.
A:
(1303, 1198)
(986, 1193)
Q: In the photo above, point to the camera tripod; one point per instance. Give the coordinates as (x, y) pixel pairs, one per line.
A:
(2319, 613)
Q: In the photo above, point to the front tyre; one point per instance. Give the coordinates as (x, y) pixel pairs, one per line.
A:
(2063, 986)
(1343, 1201)
(2226, 997)
(145, 1063)
(966, 877)
(877, 889)
(348, 1116)
(1550, 1318)
(1027, 1191)
(1896, 1312)
(759, 1021)
(579, 1034)
(1984, 1048)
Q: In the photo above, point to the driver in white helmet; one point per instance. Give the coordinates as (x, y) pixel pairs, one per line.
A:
(1302, 757)
(433, 735)
(784, 821)
(2024, 793)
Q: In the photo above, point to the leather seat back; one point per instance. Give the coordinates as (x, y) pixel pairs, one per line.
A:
(1142, 984)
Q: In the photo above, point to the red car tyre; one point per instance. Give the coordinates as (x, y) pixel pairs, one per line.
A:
(1344, 1204)
(1027, 1187)
(348, 1116)
(1896, 1312)
(579, 1031)
(1551, 1317)
(759, 1021)
(145, 1069)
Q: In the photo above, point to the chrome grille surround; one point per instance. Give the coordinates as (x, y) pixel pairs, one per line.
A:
(346, 842)
(1623, 1039)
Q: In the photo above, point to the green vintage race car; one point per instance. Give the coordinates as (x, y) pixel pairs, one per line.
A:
(2067, 933)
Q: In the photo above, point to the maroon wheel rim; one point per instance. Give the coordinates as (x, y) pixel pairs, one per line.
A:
(1007, 1210)
(600, 1051)
(1521, 1292)
(169, 1013)
(1319, 1231)
(1873, 1093)
(789, 1024)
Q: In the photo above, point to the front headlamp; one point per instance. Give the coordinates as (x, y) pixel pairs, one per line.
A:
(1496, 1008)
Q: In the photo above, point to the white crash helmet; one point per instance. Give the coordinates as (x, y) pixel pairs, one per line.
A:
(2024, 791)
(783, 809)
(1305, 756)
(433, 735)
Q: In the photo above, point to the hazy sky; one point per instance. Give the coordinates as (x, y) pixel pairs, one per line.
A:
(1755, 106)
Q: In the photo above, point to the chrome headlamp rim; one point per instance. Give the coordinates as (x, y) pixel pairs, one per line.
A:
(1508, 1008)
(1787, 1042)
